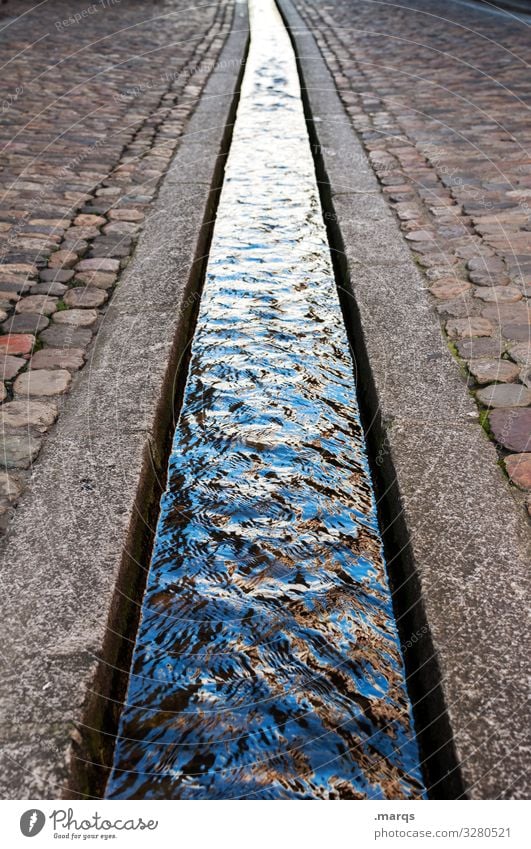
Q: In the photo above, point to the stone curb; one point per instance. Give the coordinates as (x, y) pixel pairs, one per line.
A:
(74, 559)
(456, 537)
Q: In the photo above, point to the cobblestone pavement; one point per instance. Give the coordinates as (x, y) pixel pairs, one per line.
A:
(439, 93)
(94, 98)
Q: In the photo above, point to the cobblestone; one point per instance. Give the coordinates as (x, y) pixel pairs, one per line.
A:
(91, 120)
(438, 92)
(519, 469)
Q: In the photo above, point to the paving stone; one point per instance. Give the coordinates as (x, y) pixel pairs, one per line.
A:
(76, 318)
(525, 376)
(473, 349)
(519, 469)
(507, 313)
(28, 323)
(28, 414)
(14, 283)
(446, 289)
(56, 275)
(98, 264)
(512, 428)
(126, 215)
(461, 328)
(488, 371)
(17, 343)
(520, 353)
(51, 358)
(88, 296)
(89, 221)
(40, 304)
(100, 279)
(460, 307)
(42, 382)
(64, 336)
(76, 245)
(517, 332)
(53, 289)
(499, 294)
(10, 366)
(126, 228)
(3, 392)
(63, 259)
(504, 395)
(29, 269)
(19, 449)
(69, 164)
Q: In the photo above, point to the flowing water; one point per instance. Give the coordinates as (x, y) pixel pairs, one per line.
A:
(267, 663)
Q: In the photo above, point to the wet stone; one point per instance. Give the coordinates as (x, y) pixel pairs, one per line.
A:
(489, 371)
(519, 469)
(18, 449)
(504, 395)
(42, 382)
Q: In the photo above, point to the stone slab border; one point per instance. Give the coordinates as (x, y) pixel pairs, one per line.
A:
(75, 557)
(457, 540)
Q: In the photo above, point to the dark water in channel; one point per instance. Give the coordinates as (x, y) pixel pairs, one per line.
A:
(267, 663)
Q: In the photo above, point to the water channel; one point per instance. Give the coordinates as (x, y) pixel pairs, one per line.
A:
(267, 663)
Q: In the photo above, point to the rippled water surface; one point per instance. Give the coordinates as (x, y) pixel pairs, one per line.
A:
(267, 663)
